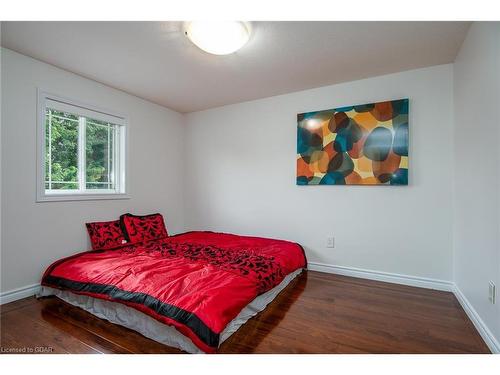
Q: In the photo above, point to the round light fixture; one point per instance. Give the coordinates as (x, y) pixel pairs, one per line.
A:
(218, 37)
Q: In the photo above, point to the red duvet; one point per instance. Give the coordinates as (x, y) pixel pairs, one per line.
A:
(197, 281)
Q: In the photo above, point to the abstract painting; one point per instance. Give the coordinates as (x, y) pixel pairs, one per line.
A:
(356, 145)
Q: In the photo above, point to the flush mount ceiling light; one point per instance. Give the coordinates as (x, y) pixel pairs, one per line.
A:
(218, 37)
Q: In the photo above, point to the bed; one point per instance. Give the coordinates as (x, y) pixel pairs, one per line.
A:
(190, 291)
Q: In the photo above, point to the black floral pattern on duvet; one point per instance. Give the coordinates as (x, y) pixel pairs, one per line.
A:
(243, 261)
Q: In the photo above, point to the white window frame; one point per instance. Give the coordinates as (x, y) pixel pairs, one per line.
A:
(68, 105)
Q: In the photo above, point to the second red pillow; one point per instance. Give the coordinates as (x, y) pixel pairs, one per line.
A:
(143, 228)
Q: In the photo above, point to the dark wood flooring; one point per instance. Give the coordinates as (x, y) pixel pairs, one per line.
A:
(316, 313)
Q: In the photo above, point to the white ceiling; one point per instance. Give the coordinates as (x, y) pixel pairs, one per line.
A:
(155, 61)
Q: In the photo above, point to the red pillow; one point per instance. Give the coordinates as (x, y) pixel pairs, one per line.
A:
(106, 234)
(143, 228)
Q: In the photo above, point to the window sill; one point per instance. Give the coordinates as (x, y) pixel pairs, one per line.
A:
(79, 197)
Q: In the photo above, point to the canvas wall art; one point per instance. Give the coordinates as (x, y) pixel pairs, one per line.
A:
(356, 145)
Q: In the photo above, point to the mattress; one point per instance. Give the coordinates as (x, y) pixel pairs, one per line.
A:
(131, 318)
(197, 282)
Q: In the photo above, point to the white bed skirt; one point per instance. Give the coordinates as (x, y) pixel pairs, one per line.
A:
(129, 317)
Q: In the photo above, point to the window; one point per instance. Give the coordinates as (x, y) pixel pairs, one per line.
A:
(82, 151)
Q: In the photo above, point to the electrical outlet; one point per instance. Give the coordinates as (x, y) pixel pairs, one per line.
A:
(330, 242)
(492, 291)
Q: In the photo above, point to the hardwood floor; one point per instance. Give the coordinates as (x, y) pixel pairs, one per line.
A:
(317, 313)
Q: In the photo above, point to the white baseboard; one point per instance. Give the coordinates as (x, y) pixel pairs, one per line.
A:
(421, 282)
(481, 327)
(15, 294)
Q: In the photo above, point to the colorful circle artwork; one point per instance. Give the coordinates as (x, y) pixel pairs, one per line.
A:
(357, 145)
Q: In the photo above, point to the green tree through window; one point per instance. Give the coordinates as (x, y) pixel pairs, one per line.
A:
(75, 142)
(61, 167)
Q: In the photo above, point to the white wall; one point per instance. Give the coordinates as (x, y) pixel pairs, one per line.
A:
(35, 234)
(240, 177)
(477, 170)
